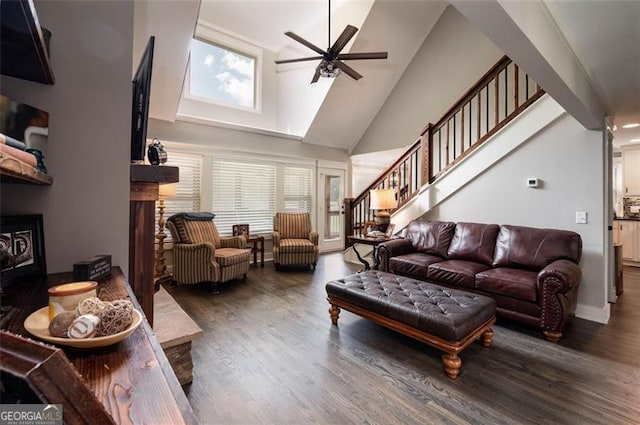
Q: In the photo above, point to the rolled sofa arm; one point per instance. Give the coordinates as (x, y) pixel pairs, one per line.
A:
(558, 289)
(393, 248)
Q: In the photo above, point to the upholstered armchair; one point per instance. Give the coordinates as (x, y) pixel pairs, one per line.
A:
(201, 255)
(293, 240)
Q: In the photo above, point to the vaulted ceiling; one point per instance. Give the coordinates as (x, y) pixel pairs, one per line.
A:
(603, 35)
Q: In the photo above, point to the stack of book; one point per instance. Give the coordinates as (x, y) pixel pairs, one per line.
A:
(17, 149)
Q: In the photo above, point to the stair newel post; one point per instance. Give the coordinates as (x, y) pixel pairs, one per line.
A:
(426, 136)
(348, 220)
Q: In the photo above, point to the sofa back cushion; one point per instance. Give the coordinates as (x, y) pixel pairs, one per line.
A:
(534, 249)
(431, 237)
(474, 242)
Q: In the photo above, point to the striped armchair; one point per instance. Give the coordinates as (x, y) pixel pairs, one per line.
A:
(293, 240)
(201, 255)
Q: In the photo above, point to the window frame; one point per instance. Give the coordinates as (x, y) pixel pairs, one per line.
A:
(206, 33)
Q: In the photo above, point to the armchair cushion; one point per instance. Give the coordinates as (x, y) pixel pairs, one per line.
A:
(293, 225)
(230, 256)
(296, 245)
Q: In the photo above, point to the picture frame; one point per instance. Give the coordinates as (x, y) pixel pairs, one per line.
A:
(241, 230)
(22, 254)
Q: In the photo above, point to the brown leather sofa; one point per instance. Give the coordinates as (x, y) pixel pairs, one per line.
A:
(533, 274)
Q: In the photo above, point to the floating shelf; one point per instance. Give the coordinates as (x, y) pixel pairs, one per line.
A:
(13, 170)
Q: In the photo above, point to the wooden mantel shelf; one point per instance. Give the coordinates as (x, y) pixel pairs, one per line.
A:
(143, 194)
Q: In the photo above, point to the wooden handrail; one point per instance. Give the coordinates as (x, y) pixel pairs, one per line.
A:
(385, 174)
(465, 127)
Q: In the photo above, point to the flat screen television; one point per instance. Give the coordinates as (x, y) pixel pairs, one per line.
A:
(140, 105)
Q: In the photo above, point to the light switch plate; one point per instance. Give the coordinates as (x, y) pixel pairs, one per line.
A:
(581, 217)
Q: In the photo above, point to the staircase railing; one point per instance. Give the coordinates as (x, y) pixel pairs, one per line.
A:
(499, 96)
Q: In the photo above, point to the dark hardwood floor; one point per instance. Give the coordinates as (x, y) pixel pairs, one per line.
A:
(270, 355)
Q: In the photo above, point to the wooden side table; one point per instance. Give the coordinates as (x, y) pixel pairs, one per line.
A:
(258, 246)
(368, 241)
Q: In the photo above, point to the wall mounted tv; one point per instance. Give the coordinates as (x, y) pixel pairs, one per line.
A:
(140, 105)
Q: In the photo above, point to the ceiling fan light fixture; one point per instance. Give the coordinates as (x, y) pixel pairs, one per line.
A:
(329, 69)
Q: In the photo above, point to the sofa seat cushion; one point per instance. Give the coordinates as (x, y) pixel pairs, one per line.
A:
(230, 256)
(516, 283)
(290, 246)
(456, 272)
(414, 264)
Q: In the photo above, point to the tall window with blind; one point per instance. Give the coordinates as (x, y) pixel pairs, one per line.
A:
(187, 197)
(243, 193)
(239, 190)
(298, 186)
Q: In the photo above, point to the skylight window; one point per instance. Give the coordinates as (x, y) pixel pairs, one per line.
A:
(222, 75)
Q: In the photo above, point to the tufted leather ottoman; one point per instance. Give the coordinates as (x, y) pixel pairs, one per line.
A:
(444, 318)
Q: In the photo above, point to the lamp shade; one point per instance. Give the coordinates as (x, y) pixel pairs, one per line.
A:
(382, 199)
(167, 190)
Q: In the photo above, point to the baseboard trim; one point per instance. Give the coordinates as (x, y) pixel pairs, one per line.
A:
(594, 314)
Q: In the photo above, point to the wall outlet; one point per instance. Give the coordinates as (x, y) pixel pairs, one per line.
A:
(581, 217)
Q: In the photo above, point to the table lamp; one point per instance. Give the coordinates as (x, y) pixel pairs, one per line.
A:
(164, 191)
(381, 201)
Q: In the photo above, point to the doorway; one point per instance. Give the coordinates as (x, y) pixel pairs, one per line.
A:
(331, 185)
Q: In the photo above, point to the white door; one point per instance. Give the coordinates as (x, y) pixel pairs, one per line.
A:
(331, 209)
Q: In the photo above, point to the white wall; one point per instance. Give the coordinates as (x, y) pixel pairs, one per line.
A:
(241, 141)
(450, 60)
(86, 210)
(568, 160)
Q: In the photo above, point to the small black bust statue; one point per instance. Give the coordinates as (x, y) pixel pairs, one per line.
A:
(156, 153)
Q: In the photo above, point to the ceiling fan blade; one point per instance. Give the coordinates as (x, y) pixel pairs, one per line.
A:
(348, 70)
(316, 76)
(304, 42)
(344, 38)
(358, 56)
(299, 59)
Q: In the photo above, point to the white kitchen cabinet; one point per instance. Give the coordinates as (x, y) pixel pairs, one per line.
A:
(631, 167)
(630, 239)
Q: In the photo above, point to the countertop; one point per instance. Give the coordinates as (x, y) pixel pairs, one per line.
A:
(627, 219)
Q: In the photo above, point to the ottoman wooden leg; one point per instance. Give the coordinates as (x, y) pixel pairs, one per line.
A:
(487, 337)
(451, 364)
(334, 312)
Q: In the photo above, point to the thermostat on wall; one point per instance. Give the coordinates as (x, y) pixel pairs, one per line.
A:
(532, 182)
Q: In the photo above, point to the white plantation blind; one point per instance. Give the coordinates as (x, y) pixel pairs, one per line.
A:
(187, 197)
(298, 183)
(243, 193)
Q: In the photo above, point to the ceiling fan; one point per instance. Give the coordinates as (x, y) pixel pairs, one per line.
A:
(331, 64)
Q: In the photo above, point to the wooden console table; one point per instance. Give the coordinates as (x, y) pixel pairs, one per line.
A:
(132, 379)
